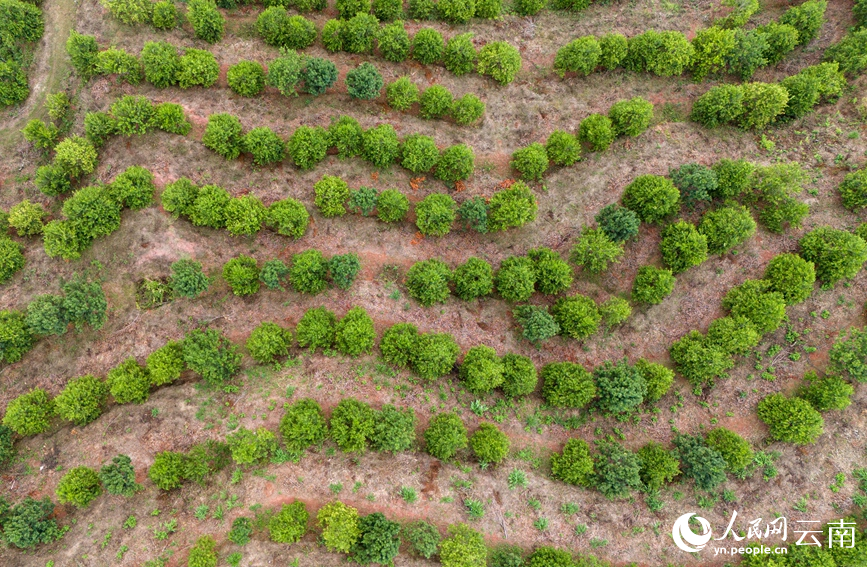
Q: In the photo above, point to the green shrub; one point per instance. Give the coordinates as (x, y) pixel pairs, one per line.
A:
(618, 223)
(682, 246)
(562, 148)
(7, 449)
(615, 311)
(343, 269)
(658, 466)
(398, 344)
(211, 355)
(699, 361)
(202, 554)
(456, 163)
(198, 67)
(474, 214)
(268, 342)
(435, 355)
(285, 72)
(393, 42)
(26, 218)
(500, 61)
(474, 278)
(580, 56)
(242, 529)
(206, 20)
(242, 275)
(224, 135)
(118, 62)
(130, 12)
(748, 53)
(62, 239)
(11, 259)
(594, 250)
(392, 206)
(119, 477)
(357, 33)
(352, 424)
(614, 48)
(853, 190)
(460, 54)
(167, 470)
(512, 207)
(82, 400)
(272, 274)
(316, 329)
(652, 197)
(445, 436)
(577, 316)
(364, 82)
(530, 161)
(394, 429)
(516, 278)
(427, 46)
(288, 217)
(753, 300)
(704, 465)
(666, 53)
(850, 53)
(734, 449)
(537, 324)
(597, 131)
(332, 36)
(435, 102)
(45, 315)
(435, 214)
(791, 276)
(165, 15)
(187, 279)
(128, 382)
(722, 104)
(837, 254)
(264, 145)
(456, 11)
(380, 145)
(75, 156)
(567, 385)
(289, 524)
(166, 364)
(828, 393)
(80, 486)
(573, 465)
(552, 274)
(428, 281)
(354, 334)
(13, 83)
(15, 336)
(331, 194)
(303, 425)
(733, 335)
(51, 180)
(245, 215)
(169, 117)
(519, 375)
(308, 272)
(161, 63)
(307, 146)
(249, 447)
(319, 75)
(83, 53)
(481, 370)
(27, 523)
(378, 541)
(30, 413)
(713, 47)
(695, 182)
(848, 355)
(620, 387)
(807, 18)
(419, 153)
(781, 38)
(348, 8)
(489, 444)
(280, 29)
(726, 228)
(762, 104)
(340, 526)
(134, 188)
(401, 94)
(616, 471)
(423, 538)
(467, 110)
(792, 420)
(132, 115)
(40, 134)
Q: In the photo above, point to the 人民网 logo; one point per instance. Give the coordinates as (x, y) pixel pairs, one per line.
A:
(685, 538)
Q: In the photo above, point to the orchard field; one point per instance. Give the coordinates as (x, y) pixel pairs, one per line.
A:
(465, 283)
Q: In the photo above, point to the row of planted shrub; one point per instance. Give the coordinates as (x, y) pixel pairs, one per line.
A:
(291, 73)
(712, 51)
(22, 25)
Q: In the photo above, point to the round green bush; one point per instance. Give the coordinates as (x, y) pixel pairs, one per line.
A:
(529, 7)
(118, 478)
(187, 279)
(332, 35)
(211, 355)
(202, 554)
(60, 238)
(519, 375)
(242, 275)
(30, 413)
(481, 370)
(850, 52)
(597, 131)
(537, 325)
(713, 47)
(791, 276)
(285, 73)
(792, 420)
(165, 15)
(701, 463)
(489, 444)
(99, 127)
(224, 135)
(318, 75)
(245, 215)
(354, 334)
(421, 9)
(658, 466)
(380, 145)
(348, 8)
(562, 148)
(395, 429)
(699, 361)
(161, 63)
(427, 46)
(264, 145)
(300, 33)
(167, 470)
(26, 218)
(331, 194)
(666, 53)
(474, 278)
(652, 197)
(347, 136)
(303, 425)
(118, 62)
(134, 188)
(129, 383)
(435, 214)
(272, 274)
(516, 278)
(379, 541)
(76, 156)
(682, 246)
(166, 364)
(614, 48)
(577, 316)
(652, 285)
(445, 436)
(631, 117)
(80, 486)
(206, 20)
(316, 329)
(343, 269)
(419, 153)
(488, 9)
(619, 386)
(594, 250)
(401, 94)
(51, 180)
(11, 258)
(657, 377)
(456, 11)
(530, 161)
(13, 83)
(573, 465)
(853, 190)
(467, 110)
(553, 275)
(248, 447)
(82, 400)
(580, 56)
(456, 163)
(762, 104)
(352, 423)
(752, 299)
(307, 146)
(427, 282)
(364, 82)
(15, 336)
(393, 42)
(722, 104)
(392, 206)
(567, 385)
(83, 53)
(500, 61)
(836, 254)
(828, 393)
(357, 33)
(45, 315)
(615, 311)
(398, 344)
(848, 355)
(308, 272)
(619, 223)
(268, 342)
(198, 67)
(512, 207)
(807, 18)
(734, 449)
(435, 355)
(340, 526)
(169, 117)
(695, 182)
(733, 335)
(617, 471)
(289, 524)
(460, 54)
(435, 102)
